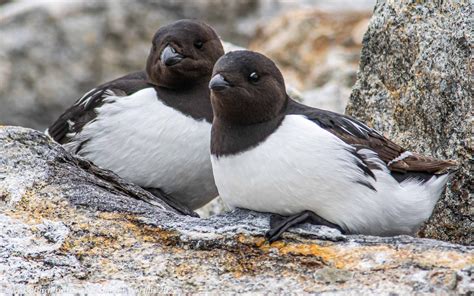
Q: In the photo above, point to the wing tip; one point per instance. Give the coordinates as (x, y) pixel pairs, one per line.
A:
(413, 162)
(450, 166)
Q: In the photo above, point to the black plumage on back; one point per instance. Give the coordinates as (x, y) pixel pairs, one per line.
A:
(359, 135)
(82, 112)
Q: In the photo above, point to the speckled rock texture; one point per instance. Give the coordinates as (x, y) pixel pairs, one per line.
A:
(415, 85)
(67, 226)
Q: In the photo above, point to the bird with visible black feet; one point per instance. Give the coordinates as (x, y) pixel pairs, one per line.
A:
(303, 164)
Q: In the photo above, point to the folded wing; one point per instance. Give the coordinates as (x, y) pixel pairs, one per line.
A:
(82, 112)
(359, 135)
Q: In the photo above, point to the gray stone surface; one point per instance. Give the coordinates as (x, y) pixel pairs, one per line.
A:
(415, 85)
(67, 226)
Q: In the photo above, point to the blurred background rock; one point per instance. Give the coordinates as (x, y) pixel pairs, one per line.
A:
(52, 52)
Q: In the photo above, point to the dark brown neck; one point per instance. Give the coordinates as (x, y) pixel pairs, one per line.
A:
(193, 100)
(229, 139)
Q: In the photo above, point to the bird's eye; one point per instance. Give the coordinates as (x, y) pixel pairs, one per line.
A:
(198, 44)
(253, 77)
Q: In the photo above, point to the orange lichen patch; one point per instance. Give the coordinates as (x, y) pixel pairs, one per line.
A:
(92, 235)
(95, 244)
(369, 257)
(396, 94)
(237, 262)
(250, 240)
(183, 270)
(31, 211)
(387, 257)
(129, 223)
(357, 257)
(151, 234)
(325, 253)
(311, 249)
(446, 259)
(113, 232)
(260, 241)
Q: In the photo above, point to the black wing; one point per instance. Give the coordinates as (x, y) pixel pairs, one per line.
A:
(82, 112)
(360, 136)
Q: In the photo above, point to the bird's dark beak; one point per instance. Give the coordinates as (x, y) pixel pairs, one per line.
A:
(170, 57)
(218, 83)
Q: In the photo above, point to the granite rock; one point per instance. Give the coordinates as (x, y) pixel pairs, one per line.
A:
(67, 226)
(415, 85)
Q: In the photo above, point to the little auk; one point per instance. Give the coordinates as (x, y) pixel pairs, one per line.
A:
(272, 154)
(153, 127)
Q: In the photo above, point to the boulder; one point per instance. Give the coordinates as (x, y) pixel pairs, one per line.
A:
(415, 85)
(67, 226)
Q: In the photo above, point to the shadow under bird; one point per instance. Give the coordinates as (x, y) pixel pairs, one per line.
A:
(153, 127)
(272, 154)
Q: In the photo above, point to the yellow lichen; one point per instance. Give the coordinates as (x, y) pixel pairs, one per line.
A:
(97, 237)
(360, 257)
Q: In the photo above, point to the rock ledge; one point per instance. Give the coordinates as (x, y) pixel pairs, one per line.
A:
(68, 226)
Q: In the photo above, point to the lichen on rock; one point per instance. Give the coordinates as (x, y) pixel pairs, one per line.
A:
(78, 228)
(415, 85)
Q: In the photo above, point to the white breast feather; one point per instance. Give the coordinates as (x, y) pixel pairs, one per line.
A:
(151, 145)
(304, 167)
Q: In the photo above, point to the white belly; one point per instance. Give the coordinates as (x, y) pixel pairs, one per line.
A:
(303, 167)
(152, 145)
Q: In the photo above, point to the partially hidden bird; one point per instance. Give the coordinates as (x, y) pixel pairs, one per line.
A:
(152, 127)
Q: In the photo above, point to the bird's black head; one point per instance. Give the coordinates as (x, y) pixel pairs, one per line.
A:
(247, 88)
(183, 54)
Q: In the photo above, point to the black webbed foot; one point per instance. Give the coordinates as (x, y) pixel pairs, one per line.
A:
(279, 224)
(182, 209)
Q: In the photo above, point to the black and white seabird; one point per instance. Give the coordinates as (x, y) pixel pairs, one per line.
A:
(153, 127)
(272, 154)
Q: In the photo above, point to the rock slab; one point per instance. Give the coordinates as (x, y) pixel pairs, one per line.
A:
(67, 226)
